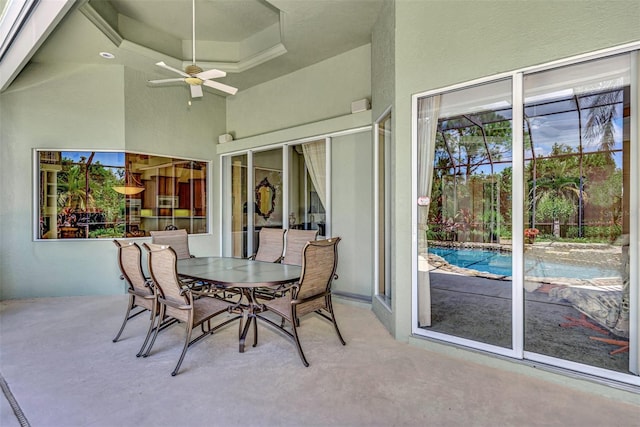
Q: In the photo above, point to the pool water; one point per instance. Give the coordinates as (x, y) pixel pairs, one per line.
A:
(499, 263)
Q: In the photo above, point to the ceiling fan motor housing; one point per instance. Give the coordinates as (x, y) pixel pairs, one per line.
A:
(192, 69)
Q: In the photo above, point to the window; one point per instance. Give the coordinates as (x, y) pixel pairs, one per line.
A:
(94, 194)
(468, 181)
(284, 187)
(525, 192)
(383, 207)
(577, 148)
(308, 187)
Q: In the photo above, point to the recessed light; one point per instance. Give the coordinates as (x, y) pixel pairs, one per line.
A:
(107, 55)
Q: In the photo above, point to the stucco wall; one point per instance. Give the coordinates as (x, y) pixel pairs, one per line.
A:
(318, 92)
(62, 107)
(383, 86)
(54, 107)
(352, 212)
(161, 118)
(439, 43)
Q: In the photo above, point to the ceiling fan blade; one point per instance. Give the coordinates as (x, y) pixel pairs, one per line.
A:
(196, 91)
(155, 82)
(220, 86)
(211, 74)
(175, 70)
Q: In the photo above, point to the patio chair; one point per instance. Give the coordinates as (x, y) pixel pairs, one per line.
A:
(141, 296)
(177, 239)
(311, 294)
(177, 301)
(271, 245)
(295, 241)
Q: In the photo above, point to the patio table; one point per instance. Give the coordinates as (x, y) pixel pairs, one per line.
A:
(243, 275)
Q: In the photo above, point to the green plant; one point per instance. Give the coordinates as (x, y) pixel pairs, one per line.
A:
(117, 231)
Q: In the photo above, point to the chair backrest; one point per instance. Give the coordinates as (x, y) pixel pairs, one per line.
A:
(130, 262)
(295, 241)
(164, 273)
(271, 244)
(319, 263)
(177, 239)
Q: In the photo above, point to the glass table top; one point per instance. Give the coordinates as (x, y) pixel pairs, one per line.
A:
(238, 272)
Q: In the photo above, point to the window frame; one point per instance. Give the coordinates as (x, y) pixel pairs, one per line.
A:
(133, 207)
(382, 204)
(517, 78)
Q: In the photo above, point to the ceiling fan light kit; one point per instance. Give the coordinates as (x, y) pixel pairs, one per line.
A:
(193, 75)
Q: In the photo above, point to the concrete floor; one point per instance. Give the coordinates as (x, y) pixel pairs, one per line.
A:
(58, 360)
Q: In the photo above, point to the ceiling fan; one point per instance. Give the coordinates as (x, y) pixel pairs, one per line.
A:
(193, 75)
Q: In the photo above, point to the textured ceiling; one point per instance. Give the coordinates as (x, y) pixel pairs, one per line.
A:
(253, 40)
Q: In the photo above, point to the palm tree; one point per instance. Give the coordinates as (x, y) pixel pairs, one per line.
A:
(73, 193)
(556, 191)
(603, 112)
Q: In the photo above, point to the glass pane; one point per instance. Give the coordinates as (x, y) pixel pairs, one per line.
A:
(307, 187)
(577, 213)
(465, 241)
(384, 207)
(174, 196)
(239, 206)
(115, 194)
(267, 193)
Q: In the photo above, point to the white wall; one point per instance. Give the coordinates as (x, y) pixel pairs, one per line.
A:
(352, 212)
(85, 107)
(316, 101)
(160, 119)
(382, 97)
(318, 92)
(109, 107)
(441, 42)
(51, 107)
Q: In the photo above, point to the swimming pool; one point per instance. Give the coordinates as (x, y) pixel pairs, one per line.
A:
(499, 263)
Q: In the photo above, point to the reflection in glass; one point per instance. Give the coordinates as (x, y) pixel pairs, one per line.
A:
(469, 208)
(384, 209)
(115, 194)
(239, 206)
(267, 192)
(577, 213)
(307, 184)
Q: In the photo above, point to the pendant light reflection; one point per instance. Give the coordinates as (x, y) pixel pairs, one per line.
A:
(131, 184)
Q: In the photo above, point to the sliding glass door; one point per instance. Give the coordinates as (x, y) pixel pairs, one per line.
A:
(526, 215)
(464, 245)
(308, 186)
(238, 205)
(577, 209)
(283, 187)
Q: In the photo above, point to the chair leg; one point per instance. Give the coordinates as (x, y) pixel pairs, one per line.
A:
(294, 321)
(152, 323)
(126, 316)
(189, 327)
(333, 319)
(255, 331)
(155, 334)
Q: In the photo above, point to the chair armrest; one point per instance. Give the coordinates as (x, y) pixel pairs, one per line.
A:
(285, 287)
(175, 305)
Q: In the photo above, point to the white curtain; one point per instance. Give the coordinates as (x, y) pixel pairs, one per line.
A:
(316, 161)
(428, 111)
